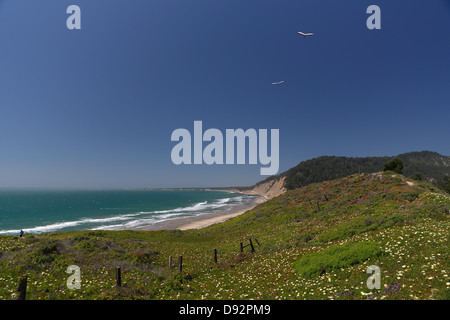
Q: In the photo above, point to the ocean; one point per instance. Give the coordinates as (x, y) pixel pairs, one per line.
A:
(36, 211)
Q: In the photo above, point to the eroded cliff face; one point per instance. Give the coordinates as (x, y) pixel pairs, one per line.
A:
(269, 189)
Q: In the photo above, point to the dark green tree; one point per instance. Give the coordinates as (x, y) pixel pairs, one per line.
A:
(396, 165)
(416, 176)
(444, 184)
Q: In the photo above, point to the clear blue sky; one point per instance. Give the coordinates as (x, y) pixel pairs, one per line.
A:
(96, 107)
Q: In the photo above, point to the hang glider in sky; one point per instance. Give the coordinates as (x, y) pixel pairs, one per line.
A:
(305, 34)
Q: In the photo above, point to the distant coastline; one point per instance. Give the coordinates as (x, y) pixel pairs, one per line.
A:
(226, 189)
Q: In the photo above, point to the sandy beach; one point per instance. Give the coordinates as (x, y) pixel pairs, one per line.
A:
(201, 221)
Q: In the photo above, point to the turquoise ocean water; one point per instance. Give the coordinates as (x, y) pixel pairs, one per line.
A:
(36, 211)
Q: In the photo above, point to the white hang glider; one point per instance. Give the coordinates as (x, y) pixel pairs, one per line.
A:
(277, 83)
(305, 34)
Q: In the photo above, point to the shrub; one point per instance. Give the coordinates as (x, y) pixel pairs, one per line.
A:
(46, 251)
(305, 237)
(416, 176)
(444, 184)
(336, 257)
(411, 196)
(142, 256)
(176, 283)
(396, 165)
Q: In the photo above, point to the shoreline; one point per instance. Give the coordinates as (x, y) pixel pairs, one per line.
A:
(202, 220)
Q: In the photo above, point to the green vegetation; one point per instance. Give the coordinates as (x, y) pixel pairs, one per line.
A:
(396, 165)
(336, 257)
(444, 184)
(315, 242)
(360, 225)
(416, 176)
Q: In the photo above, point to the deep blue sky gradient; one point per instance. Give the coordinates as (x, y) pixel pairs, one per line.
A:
(96, 107)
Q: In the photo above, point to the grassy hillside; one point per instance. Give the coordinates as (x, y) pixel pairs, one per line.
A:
(311, 243)
(430, 165)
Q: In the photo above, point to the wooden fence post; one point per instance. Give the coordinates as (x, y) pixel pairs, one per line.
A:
(180, 263)
(170, 261)
(242, 247)
(251, 244)
(118, 277)
(22, 289)
(215, 255)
